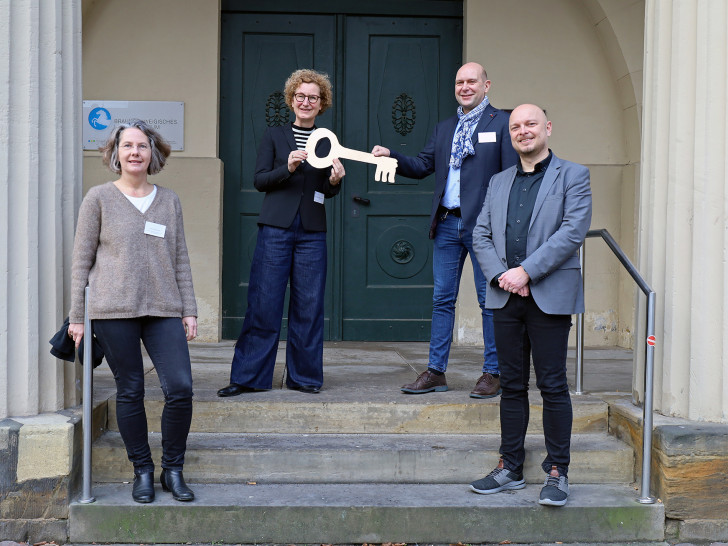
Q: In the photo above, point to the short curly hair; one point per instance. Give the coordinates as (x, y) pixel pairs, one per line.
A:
(160, 147)
(306, 75)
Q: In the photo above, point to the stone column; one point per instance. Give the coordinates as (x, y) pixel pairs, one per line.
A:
(40, 190)
(683, 237)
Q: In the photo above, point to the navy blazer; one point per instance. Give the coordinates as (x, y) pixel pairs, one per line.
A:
(559, 223)
(286, 193)
(493, 153)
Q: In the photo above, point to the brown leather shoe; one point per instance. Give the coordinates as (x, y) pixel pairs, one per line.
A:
(486, 387)
(426, 382)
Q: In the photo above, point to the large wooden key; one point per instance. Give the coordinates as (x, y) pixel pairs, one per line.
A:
(386, 166)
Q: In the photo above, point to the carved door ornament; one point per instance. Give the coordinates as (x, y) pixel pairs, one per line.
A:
(276, 110)
(404, 114)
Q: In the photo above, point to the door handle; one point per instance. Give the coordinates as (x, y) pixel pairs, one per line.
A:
(361, 200)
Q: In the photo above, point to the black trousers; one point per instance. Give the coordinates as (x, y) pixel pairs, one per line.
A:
(522, 330)
(166, 343)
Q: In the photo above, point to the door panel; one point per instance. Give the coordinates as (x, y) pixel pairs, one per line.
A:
(259, 52)
(406, 87)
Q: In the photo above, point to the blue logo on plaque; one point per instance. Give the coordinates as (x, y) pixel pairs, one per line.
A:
(99, 118)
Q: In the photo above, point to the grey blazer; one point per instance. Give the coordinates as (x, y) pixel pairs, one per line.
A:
(561, 217)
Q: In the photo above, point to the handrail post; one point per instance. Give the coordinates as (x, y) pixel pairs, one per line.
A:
(88, 378)
(580, 330)
(645, 497)
(647, 409)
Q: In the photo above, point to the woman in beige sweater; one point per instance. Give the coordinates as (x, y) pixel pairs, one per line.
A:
(130, 249)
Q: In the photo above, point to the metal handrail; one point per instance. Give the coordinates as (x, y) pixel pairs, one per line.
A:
(88, 385)
(645, 497)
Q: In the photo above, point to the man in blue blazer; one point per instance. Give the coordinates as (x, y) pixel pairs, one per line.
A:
(527, 237)
(464, 151)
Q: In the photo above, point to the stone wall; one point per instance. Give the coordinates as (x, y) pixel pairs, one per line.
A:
(689, 469)
(40, 471)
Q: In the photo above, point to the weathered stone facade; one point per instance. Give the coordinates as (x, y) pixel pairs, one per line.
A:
(39, 475)
(689, 469)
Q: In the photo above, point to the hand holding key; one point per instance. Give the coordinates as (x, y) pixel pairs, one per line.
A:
(386, 166)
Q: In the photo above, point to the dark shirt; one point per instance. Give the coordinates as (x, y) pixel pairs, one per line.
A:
(520, 208)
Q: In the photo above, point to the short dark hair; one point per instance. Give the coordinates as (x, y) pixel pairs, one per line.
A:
(160, 147)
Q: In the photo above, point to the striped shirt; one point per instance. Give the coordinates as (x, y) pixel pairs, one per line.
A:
(301, 135)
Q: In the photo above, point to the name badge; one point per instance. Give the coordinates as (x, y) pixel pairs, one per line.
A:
(318, 197)
(156, 230)
(486, 137)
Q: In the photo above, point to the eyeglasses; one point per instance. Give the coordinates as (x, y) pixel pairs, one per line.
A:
(312, 99)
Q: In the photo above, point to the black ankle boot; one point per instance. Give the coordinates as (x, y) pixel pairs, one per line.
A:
(143, 488)
(174, 482)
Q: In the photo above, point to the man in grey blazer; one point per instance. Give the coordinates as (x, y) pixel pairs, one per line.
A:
(534, 219)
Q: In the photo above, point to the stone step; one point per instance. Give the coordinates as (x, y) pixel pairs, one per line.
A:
(283, 411)
(364, 458)
(365, 513)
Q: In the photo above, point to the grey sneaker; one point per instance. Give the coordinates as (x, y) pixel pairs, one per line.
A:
(555, 489)
(500, 479)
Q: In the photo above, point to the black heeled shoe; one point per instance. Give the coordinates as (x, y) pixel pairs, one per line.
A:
(143, 488)
(173, 481)
(304, 388)
(233, 389)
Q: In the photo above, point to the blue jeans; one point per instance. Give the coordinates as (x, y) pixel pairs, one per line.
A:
(166, 343)
(282, 256)
(523, 330)
(452, 244)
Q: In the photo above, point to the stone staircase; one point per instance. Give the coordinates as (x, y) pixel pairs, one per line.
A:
(360, 463)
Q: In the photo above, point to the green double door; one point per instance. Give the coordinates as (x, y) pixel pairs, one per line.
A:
(393, 80)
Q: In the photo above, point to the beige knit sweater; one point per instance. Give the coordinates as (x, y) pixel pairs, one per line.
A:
(130, 274)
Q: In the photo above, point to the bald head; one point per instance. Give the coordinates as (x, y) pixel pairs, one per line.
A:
(477, 67)
(471, 85)
(529, 110)
(530, 131)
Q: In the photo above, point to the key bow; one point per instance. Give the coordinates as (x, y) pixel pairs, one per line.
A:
(386, 166)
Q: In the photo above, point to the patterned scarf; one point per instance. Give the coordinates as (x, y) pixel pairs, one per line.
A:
(462, 144)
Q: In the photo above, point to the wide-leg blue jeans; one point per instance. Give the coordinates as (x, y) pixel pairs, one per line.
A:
(282, 256)
(452, 243)
(166, 343)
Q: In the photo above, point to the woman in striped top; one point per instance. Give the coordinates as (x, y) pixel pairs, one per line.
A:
(291, 249)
